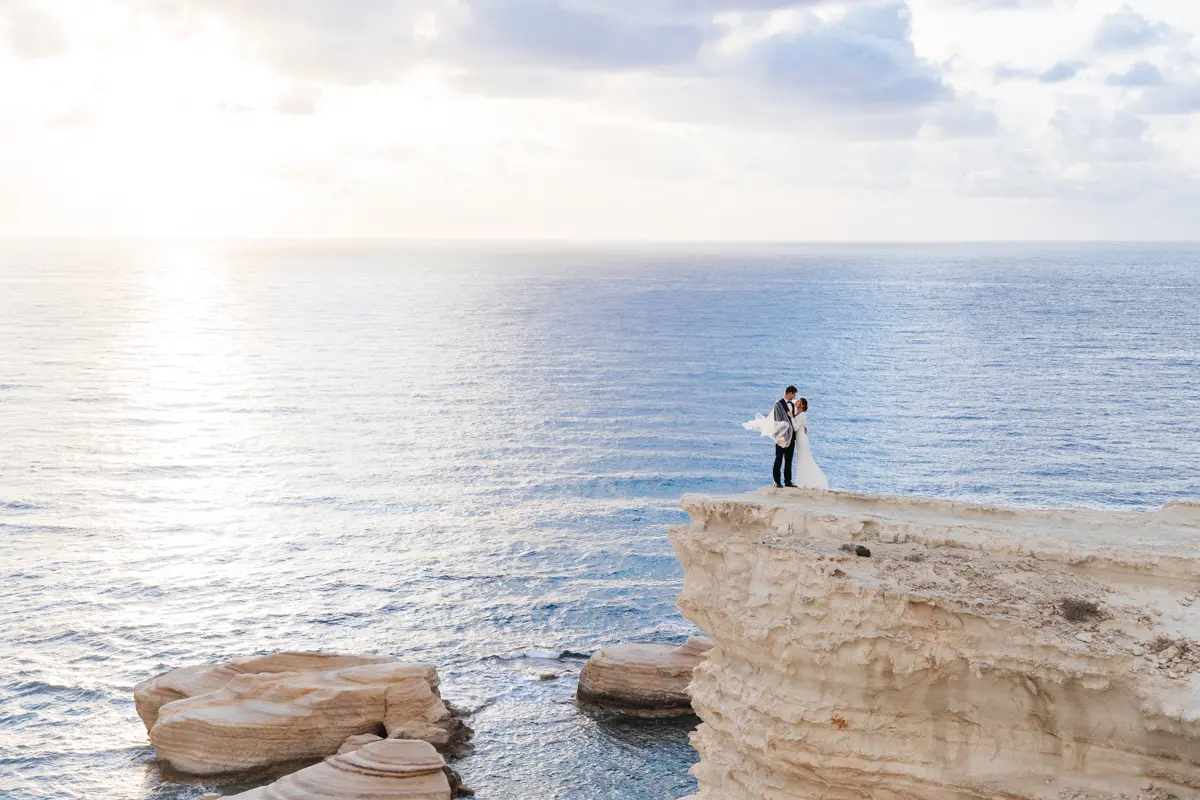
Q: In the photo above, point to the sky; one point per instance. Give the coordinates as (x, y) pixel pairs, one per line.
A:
(770, 120)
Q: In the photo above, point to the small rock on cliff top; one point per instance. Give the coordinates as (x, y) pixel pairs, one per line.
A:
(289, 707)
(646, 680)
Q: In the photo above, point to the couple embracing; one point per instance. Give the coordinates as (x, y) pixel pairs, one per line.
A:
(788, 426)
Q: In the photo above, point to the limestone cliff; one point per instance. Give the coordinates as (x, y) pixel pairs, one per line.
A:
(974, 653)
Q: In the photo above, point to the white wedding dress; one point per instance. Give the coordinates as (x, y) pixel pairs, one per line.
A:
(805, 472)
(767, 426)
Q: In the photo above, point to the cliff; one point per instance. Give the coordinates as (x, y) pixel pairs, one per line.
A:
(974, 653)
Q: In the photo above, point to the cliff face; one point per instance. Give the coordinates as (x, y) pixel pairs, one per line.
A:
(975, 653)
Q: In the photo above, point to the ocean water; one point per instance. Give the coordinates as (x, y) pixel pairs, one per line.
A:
(471, 454)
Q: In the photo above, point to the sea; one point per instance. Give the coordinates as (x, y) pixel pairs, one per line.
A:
(470, 454)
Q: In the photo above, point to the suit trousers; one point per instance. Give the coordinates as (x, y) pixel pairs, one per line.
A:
(783, 457)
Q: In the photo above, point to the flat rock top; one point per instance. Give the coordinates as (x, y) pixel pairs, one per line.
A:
(655, 653)
(1133, 536)
(640, 651)
(396, 757)
(1106, 581)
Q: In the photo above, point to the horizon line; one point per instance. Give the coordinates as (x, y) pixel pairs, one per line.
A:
(5, 238)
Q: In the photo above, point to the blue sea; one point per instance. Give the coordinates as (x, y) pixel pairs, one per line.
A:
(470, 455)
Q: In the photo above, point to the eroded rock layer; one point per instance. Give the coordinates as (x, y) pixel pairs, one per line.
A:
(390, 769)
(642, 679)
(974, 653)
(288, 708)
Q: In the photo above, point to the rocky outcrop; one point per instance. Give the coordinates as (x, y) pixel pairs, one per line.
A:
(391, 769)
(974, 653)
(355, 743)
(288, 708)
(643, 679)
(151, 695)
(358, 742)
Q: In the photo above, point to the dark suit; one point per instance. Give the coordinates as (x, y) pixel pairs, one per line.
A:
(783, 455)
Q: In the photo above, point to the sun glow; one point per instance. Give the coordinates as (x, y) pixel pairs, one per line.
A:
(170, 137)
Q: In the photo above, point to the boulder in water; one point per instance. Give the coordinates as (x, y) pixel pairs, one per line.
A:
(642, 679)
(289, 708)
(389, 769)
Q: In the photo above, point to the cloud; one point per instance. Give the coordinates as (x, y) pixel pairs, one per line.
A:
(365, 41)
(855, 70)
(1126, 29)
(963, 120)
(547, 32)
(681, 10)
(1172, 91)
(74, 118)
(1061, 72)
(1141, 74)
(724, 62)
(1172, 99)
(1095, 136)
(297, 99)
(864, 60)
(32, 31)
(370, 41)
(867, 101)
(1007, 72)
(853, 75)
(1011, 5)
(1087, 155)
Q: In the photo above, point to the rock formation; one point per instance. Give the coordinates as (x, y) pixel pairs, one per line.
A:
(288, 708)
(390, 769)
(646, 680)
(354, 743)
(358, 742)
(975, 653)
(151, 695)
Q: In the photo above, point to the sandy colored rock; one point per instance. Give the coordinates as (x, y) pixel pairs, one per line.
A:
(152, 694)
(358, 742)
(289, 707)
(978, 653)
(642, 679)
(390, 769)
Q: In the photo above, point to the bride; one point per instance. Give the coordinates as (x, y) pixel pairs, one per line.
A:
(808, 474)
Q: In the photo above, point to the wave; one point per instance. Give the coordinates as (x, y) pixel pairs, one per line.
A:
(540, 655)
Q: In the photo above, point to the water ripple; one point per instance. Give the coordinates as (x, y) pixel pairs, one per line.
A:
(470, 457)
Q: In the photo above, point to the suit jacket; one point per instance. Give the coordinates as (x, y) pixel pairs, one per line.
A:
(782, 409)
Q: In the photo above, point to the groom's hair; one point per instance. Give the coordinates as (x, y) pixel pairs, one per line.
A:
(791, 390)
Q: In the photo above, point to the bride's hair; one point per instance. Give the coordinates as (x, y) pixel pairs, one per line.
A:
(803, 401)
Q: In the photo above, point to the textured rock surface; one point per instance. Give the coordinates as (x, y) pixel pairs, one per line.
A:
(358, 742)
(642, 679)
(151, 695)
(391, 769)
(288, 707)
(977, 653)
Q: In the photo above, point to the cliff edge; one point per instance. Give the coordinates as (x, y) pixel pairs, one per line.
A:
(976, 652)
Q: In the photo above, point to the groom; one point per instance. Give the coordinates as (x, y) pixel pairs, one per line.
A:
(785, 409)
